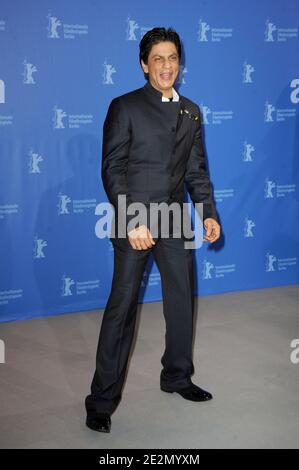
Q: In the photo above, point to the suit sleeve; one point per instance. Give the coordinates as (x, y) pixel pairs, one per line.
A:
(115, 153)
(196, 177)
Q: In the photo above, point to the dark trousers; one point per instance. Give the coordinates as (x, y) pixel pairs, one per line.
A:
(175, 264)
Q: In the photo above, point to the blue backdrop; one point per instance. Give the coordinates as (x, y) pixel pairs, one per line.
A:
(62, 62)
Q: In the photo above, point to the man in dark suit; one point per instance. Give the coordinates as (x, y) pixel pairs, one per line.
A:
(152, 145)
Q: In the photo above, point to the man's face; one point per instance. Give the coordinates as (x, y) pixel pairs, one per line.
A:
(162, 66)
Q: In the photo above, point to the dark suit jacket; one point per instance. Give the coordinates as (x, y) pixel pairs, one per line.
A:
(151, 148)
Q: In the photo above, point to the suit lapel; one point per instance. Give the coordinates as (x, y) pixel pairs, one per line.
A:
(180, 114)
(183, 124)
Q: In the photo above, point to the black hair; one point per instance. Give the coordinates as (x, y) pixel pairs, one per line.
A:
(154, 36)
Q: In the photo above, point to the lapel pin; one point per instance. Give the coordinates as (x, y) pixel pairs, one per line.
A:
(194, 117)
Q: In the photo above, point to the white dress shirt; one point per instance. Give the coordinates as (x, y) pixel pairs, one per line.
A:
(175, 96)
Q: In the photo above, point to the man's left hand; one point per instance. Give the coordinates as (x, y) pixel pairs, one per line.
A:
(213, 230)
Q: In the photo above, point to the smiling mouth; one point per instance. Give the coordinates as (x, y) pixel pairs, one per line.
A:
(166, 76)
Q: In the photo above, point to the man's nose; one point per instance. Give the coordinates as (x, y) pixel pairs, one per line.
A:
(167, 63)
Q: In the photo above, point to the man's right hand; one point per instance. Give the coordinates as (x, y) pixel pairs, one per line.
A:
(141, 238)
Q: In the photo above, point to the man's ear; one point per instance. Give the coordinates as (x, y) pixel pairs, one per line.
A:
(144, 66)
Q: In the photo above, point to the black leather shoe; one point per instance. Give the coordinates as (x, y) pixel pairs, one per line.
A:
(99, 423)
(193, 393)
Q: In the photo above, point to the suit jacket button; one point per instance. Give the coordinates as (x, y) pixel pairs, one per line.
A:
(173, 128)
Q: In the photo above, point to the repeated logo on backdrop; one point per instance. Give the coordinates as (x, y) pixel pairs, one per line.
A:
(29, 70)
(207, 32)
(274, 33)
(248, 70)
(59, 29)
(2, 92)
(62, 120)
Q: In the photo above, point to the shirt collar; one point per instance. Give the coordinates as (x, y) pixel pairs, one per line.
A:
(175, 96)
(149, 87)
